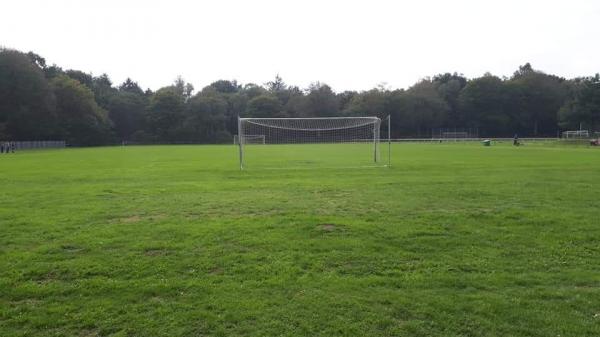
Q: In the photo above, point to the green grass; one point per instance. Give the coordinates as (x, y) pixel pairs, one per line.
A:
(453, 240)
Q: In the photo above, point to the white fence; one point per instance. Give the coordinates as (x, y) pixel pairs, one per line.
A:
(39, 144)
(449, 140)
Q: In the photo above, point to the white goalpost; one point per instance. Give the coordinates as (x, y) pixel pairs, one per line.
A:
(363, 131)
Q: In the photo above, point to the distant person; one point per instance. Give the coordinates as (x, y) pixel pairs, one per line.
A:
(516, 140)
(1, 147)
(12, 147)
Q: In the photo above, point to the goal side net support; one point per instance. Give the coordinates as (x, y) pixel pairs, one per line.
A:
(320, 130)
(249, 139)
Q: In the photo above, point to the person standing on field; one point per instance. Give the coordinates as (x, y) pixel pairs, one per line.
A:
(12, 147)
(1, 147)
(516, 140)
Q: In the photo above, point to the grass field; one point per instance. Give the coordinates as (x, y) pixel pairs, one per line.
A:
(452, 240)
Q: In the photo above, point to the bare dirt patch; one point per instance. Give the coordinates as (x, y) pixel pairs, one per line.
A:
(216, 271)
(89, 333)
(328, 227)
(156, 252)
(131, 219)
(137, 218)
(71, 248)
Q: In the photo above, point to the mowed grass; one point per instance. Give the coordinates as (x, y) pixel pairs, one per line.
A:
(452, 240)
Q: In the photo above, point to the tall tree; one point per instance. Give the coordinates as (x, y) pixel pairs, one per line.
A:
(27, 103)
(538, 97)
(449, 87)
(266, 105)
(320, 101)
(83, 78)
(276, 85)
(131, 86)
(127, 110)
(483, 103)
(206, 118)
(165, 113)
(421, 108)
(81, 120)
(582, 110)
(103, 90)
(185, 90)
(369, 103)
(226, 87)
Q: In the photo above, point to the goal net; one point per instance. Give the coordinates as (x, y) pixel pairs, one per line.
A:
(455, 133)
(351, 141)
(579, 134)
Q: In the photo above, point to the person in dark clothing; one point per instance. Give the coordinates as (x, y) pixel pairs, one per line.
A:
(12, 147)
(1, 147)
(516, 140)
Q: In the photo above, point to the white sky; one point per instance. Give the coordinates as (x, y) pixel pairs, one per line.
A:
(350, 45)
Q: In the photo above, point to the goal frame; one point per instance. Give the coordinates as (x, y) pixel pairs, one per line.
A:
(450, 134)
(576, 134)
(376, 134)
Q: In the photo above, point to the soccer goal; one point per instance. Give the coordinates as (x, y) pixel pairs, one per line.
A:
(574, 135)
(456, 133)
(321, 141)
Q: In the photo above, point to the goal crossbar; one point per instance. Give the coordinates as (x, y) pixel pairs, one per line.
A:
(312, 124)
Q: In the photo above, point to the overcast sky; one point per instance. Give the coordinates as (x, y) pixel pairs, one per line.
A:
(350, 45)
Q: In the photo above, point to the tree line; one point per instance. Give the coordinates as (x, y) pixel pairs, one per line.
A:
(39, 101)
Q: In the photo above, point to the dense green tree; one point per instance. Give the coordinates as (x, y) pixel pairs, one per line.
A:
(81, 121)
(252, 90)
(131, 86)
(38, 101)
(582, 110)
(83, 78)
(345, 98)
(420, 109)
(226, 87)
(265, 105)
(536, 98)
(276, 85)
(235, 97)
(185, 90)
(53, 71)
(320, 101)
(206, 118)
(449, 87)
(27, 103)
(127, 111)
(369, 103)
(37, 60)
(483, 105)
(293, 102)
(103, 90)
(165, 113)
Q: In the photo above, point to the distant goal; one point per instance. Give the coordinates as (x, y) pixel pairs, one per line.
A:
(455, 133)
(348, 141)
(576, 135)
